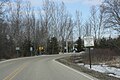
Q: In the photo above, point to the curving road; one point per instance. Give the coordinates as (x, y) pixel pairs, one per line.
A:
(39, 68)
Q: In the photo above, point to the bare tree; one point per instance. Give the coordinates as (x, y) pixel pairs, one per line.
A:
(112, 11)
(65, 28)
(6, 45)
(2, 29)
(101, 21)
(79, 23)
(15, 18)
(28, 20)
(87, 28)
(94, 21)
(33, 28)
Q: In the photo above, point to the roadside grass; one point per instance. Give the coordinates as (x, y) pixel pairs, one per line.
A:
(102, 56)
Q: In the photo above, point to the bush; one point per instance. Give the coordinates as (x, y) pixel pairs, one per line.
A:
(99, 55)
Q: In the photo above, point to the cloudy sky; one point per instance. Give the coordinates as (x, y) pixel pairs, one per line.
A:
(73, 5)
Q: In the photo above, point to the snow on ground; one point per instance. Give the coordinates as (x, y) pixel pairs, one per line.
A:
(111, 71)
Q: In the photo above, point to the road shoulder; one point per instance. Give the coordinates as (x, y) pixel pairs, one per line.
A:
(84, 70)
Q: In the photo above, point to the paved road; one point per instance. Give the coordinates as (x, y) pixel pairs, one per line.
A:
(39, 68)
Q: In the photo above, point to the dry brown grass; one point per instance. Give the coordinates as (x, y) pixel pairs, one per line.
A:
(98, 56)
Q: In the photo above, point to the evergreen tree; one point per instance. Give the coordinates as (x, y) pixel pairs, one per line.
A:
(52, 46)
(79, 45)
(49, 48)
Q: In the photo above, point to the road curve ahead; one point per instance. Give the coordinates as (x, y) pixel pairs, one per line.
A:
(39, 68)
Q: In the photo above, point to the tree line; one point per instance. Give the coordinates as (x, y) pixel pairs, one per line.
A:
(52, 27)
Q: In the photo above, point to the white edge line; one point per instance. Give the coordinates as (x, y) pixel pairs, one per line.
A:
(20, 58)
(83, 74)
(14, 59)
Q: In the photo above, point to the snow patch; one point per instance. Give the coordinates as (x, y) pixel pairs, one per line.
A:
(111, 71)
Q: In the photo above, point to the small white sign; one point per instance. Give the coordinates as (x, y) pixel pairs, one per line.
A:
(17, 48)
(88, 41)
(31, 48)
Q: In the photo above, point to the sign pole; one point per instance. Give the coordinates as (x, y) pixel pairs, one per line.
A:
(17, 49)
(31, 49)
(17, 53)
(89, 57)
(31, 53)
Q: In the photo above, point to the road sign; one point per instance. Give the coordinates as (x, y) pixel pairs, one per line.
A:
(31, 48)
(41, 48)
(88, 41)
(17, 48)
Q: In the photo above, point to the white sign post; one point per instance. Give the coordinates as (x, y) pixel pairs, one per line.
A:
(17, 49)
(89, 42)
(31, 49)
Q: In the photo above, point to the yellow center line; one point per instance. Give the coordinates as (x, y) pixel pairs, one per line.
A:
(18, 72)
(12, 73)
(15, 72)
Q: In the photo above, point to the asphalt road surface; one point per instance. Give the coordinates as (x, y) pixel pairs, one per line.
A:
(39, 68)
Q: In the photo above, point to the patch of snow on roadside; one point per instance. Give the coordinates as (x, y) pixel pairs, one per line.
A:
(81, 64)
(112, 71)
